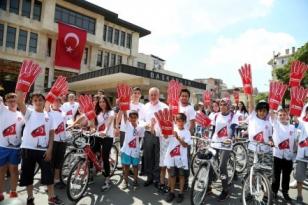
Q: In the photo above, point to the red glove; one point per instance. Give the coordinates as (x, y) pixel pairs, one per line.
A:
(27, 75)
(174, 89)
(87, 106)
(236, 95)
(165, 121)
(124, 92)
(245, 73)
(297, 73)
(59, 88)
(298, 95)
(202, 119)
(276, 93)
(207, 98)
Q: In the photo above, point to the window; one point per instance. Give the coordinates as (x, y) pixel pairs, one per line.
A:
(26, 8)
(113, 59)
(129, 40)
(3, 4)
(282, 61)
(109, 34)
(10, 37)
(49, 43)
(106, 59)
(99, 60)
(122, 38)
(14, 6)
(37, 9)
(85, 54)
(46, 78)
(33, 42)
(116, 36)
(119, 60)
(74, 18)
(1, 34)
(22, 40)
(105, 33)
(141, 65)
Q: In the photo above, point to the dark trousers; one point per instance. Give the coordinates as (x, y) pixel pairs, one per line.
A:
(285, 167)
(105, 144)
(151, 156)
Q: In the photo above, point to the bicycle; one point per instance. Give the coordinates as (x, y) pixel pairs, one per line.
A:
(79, 175)
(241, 154)
(208, 159)
(256, 186)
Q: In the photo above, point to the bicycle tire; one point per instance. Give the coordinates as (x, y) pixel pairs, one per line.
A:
(193, 165)
(113, 159)
(231, 164)
(63, 179)
(241, 160)
(200, 175)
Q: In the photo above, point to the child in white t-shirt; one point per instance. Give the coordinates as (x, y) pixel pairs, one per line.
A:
(130, 151)
(176, 159)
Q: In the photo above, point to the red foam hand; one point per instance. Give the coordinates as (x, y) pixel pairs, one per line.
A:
(87, 106)
(297, 73)
(236, 95)
(245, 73)
(29, 71)
(174, 89)
(298, 95)
(59, 88)
(202, 119)
(165, 121)
(124, 92)
(276, 93)
(207, 97)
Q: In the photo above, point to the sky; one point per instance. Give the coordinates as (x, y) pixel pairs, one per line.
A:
(206, 38)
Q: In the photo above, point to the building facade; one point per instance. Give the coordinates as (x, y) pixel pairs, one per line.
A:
(213, 84)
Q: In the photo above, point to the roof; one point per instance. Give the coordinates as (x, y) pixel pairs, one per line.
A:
(110, 16)
(157, 57)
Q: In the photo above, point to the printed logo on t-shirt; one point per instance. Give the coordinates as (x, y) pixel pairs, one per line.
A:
(259, 137)
(101, 128)
(284, 144)
(60, 128)
(175, 152)
(38, 132)
(303, 143)
(305, 119)
(9, 131)
(19, 119)
(70, 112)
(223, 132)
(132, 143)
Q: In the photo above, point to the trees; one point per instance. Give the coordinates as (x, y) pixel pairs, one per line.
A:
(261, 96)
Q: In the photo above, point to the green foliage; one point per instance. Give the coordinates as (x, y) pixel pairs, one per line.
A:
(261, 96)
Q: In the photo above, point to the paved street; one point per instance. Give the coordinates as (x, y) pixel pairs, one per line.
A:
(142, 195)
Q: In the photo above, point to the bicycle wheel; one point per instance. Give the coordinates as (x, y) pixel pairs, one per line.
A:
(67, 164)
(37, 168)
(241, 157)
(195, 163)
(261, 190)
(200, 185)
(231, 167)
(78, 179)
(113, 159)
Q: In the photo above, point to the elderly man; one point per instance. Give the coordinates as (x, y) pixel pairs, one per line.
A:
(151, 145)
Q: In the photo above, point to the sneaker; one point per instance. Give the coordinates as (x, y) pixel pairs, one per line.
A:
(59, 185)
(135, 184)
(124, 185)
(180, 198)
(293, 185)
(299, 199)
(148, 183)
(275, 196)
(1, 197)
(286, 197)
(170, 197)
(209, 191)
(223, 196)
(106, 186)
(162, 188)
(13, 194)
(30, 201)
(55, 201)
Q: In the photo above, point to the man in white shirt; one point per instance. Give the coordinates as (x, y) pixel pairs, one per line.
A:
(151, 144)
(70, 108)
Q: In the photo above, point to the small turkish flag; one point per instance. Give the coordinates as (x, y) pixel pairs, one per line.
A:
(60, 128)
(9, 131)
(101, 128)
(38, 132)
(304, 143)
(223, 132)
(70, 45)
(70, 112)
(284, 144)
(175, 151)
(259, 137)
(132, 143)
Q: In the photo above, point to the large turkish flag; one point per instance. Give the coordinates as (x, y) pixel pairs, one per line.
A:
(70, 45)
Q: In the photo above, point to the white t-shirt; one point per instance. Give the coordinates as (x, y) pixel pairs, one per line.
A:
(258, 128)
(302, 151)
(284, 138)
(148, 113)
(176, 155)
(212, 117)
(36, 132)
(131, 145)
(242, 115)
(103, 119)
(59, 120)
(10, 128)
(136, 107)
(304, 110)
(222, 130)
(190, 113)
(70, 109)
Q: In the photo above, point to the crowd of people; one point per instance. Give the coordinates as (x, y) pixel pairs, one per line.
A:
(36, 133)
